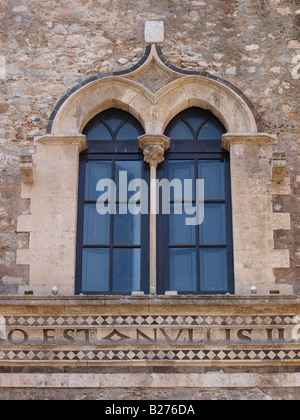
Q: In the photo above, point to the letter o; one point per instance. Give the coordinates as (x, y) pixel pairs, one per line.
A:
(10, 337)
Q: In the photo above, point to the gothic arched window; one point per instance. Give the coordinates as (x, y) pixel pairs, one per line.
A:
(197, 259)
(111, 248)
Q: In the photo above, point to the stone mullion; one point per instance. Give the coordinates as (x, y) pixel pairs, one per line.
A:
(154, 148)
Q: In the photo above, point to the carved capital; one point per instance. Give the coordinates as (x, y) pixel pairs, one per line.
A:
(154, 147)
(154, 155)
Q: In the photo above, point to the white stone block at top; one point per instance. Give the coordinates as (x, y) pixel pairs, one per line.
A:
(154, 32)
(2, 67)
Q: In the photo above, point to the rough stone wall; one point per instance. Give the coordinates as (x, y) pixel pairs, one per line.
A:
(133, 394)
(49, 46)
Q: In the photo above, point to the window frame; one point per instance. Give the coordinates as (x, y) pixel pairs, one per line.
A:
(196, 150)
(111, 151)
(113, 157)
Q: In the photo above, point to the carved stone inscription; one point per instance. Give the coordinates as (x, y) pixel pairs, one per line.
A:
(138, 338)
(161, 336)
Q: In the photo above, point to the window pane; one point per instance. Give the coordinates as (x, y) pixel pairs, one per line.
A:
(213, 229)
(127, 270)
(183, 269)
(98, 131)
(196, 120)
(183, 170)
(213, 269)
(96, 230)
(210, 131)
(113, 121)
(127, 229)
(179, 232)
(95, 171)
(95, 270)
(214, 180)
(133, 171)
(181, 132)
(128, 132)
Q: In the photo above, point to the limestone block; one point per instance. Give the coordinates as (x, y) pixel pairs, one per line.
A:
(176, 99)
(48, 239)
(2, 67)
(45, 289)
(211, 95)
(154, 32)
(211, 382)
(252, 204)
(129, 95)
(278, 166)
(24, 223)
(53, 272)
(282, 188)
(253, 238)
(23, 257)
(140, 106)
(280, 221)
(27, 169)
(279, 258)
(262, 278)
(26, 191)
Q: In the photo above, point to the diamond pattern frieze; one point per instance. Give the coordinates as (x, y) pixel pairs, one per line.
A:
(163, 320)
(234, 355)
(150, 338)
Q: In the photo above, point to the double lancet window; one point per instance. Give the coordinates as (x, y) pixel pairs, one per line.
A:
(194, 229)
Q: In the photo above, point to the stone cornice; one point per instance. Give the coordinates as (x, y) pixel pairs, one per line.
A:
(63, 140)
(238, 138)
(288, 301)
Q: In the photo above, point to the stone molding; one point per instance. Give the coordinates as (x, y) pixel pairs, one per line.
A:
(82, 331)
(211, 380)
(63, 140)
(230, 139)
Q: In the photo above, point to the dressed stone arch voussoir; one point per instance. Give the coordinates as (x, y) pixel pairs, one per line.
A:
(155, 106)
(154, 92)
(98, 96)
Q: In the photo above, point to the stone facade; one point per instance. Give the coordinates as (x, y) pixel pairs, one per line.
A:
(243, 56)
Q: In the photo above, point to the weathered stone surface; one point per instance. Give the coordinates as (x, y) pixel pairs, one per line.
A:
(163, 394)
(49, 47)
(154, 32)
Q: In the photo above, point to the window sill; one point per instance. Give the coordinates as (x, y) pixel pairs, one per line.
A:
(201, 300)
